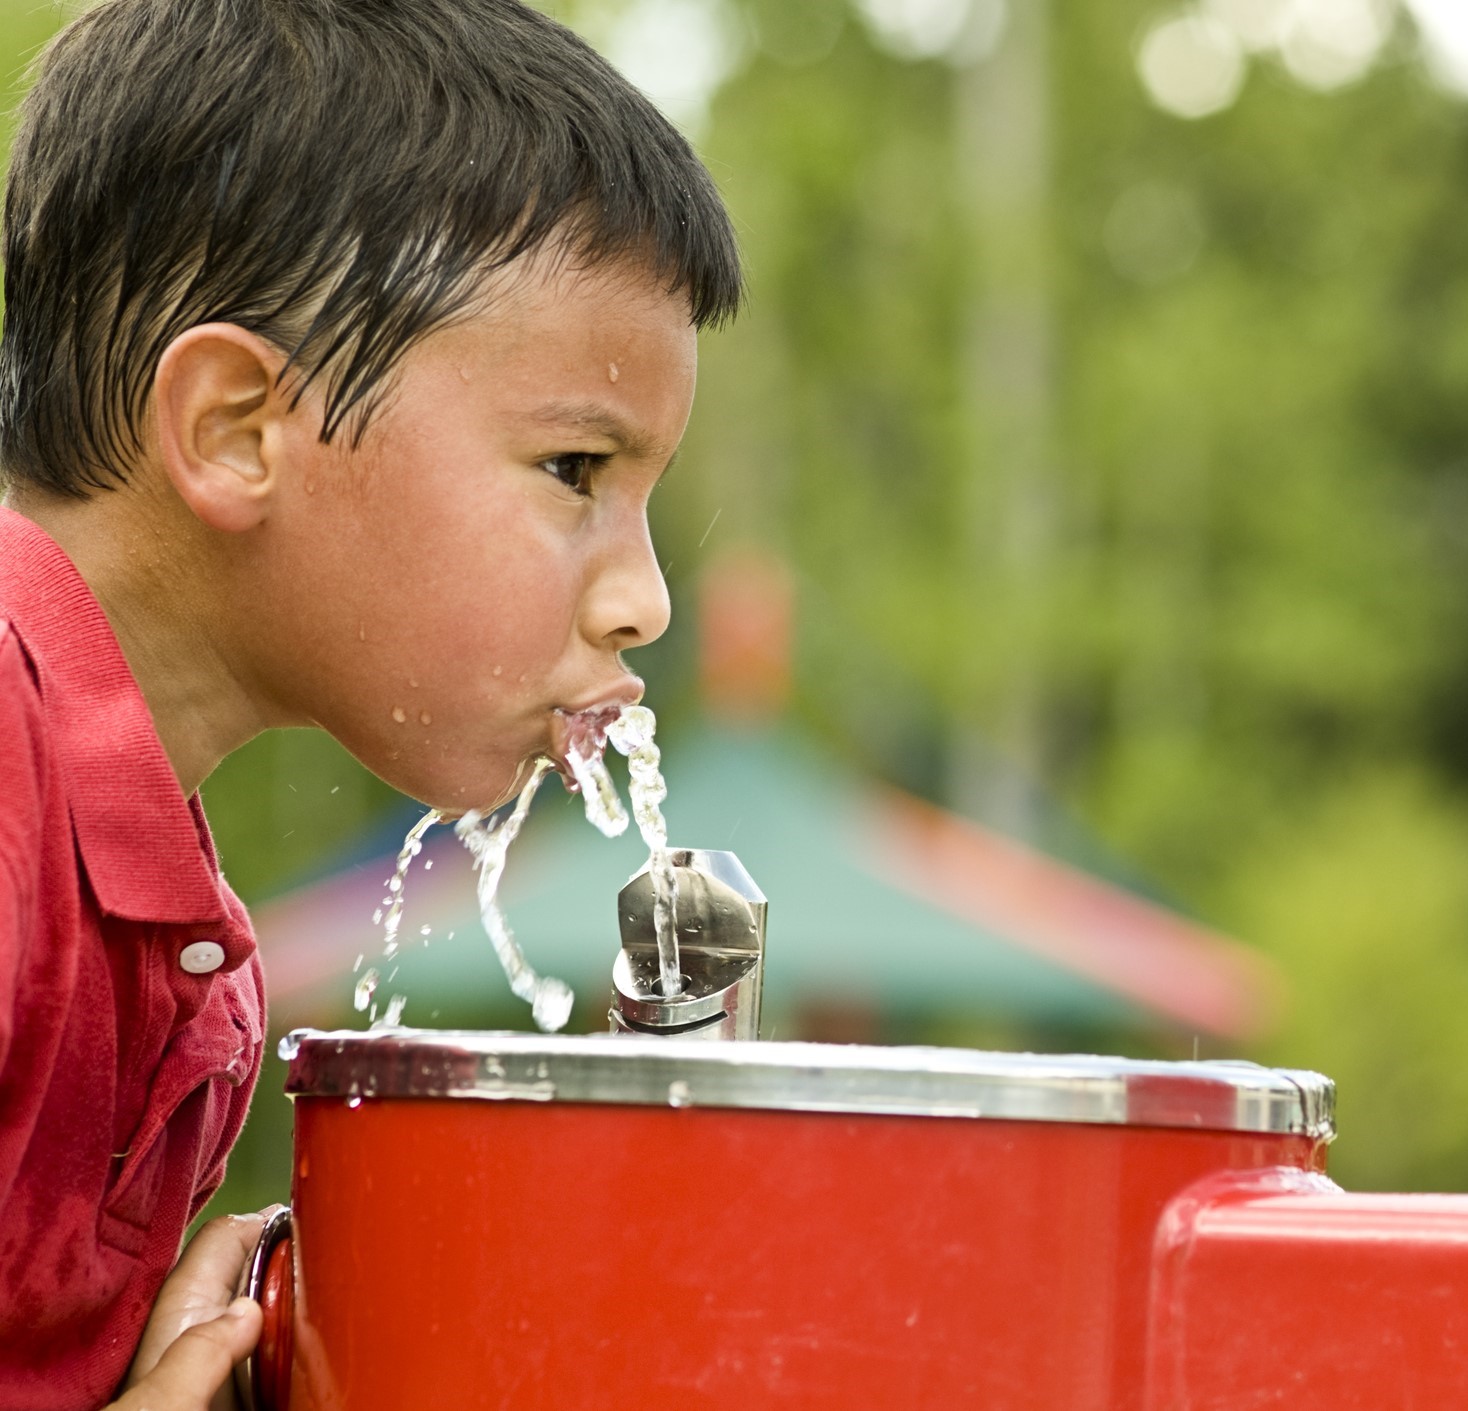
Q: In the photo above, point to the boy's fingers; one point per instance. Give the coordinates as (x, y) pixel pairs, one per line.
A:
(215, 1256)
(197, 1363)
(200, 1286)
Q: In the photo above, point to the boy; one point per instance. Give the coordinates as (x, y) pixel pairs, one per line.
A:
(344, 343)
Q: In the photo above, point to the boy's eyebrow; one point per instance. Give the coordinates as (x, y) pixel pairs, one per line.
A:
(595, 419)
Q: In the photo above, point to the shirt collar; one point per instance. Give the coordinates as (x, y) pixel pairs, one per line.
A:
(147, 849)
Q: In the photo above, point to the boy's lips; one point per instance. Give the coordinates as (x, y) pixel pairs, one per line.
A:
(584, 729)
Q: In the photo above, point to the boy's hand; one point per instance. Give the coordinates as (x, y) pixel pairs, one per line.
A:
(198, 1329)
(193, 1374)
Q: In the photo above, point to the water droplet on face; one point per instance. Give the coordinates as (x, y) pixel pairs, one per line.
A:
(362, 632)
(412, 684)
(498, 670)
(399, 714)
(679, 1094)
(310, 487)
(464, 371)
(424, 718)
(613, 372)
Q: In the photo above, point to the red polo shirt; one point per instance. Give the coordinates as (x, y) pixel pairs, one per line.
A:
(131, 1005)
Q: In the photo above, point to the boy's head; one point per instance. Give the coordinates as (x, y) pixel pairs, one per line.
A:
(337, 176)
(394, 300)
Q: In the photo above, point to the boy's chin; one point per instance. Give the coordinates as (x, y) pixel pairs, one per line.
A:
(456, 791)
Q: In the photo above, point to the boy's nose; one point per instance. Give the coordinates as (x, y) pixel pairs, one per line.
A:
(629, 603)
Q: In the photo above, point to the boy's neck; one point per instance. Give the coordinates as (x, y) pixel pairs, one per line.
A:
(142, 560)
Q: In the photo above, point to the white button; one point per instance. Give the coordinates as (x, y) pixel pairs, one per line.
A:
(201, 957)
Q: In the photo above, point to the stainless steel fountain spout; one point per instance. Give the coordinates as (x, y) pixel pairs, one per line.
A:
(721, 952)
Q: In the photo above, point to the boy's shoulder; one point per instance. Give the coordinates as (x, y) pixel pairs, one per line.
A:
(92, 744)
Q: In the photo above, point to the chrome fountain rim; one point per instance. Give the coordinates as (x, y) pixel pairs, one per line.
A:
(809, 1077)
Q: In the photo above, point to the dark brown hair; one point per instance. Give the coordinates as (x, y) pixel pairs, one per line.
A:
(337, 176)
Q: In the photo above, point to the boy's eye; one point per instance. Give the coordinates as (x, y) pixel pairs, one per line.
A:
(576, 470)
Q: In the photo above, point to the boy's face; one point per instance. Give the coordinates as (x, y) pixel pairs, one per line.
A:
(434, 597)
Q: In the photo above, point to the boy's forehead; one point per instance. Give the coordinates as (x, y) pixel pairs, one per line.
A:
(552, 286)
(603, 351)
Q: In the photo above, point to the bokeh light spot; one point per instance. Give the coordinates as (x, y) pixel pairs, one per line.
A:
(1259, 24)
(1329, 43)
(916, 29)
(1192, 65)
(678, 52)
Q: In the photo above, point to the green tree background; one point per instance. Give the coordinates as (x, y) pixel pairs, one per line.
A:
(1121, 461)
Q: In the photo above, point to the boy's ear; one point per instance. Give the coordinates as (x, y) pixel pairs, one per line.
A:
(217, 407)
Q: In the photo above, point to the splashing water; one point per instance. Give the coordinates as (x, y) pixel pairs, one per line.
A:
(550, 999)
(604, 810)
(631, 734)
(392, 913)
(366, 988)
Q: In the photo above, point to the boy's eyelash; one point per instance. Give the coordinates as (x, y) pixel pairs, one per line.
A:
(576, 470)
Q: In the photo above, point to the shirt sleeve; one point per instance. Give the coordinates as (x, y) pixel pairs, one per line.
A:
(20, 821)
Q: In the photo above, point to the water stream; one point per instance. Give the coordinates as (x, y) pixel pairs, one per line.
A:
(550, 999)
(631, 732)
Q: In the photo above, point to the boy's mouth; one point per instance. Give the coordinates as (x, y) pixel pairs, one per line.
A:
(582, 732)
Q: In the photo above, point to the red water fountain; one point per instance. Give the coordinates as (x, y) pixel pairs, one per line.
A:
(679, 1215)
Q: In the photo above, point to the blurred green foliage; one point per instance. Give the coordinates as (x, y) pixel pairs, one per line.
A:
(1231, 639)
(1117, 455)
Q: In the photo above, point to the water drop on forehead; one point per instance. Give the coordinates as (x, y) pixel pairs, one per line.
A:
(613, 372)
(399, 714)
